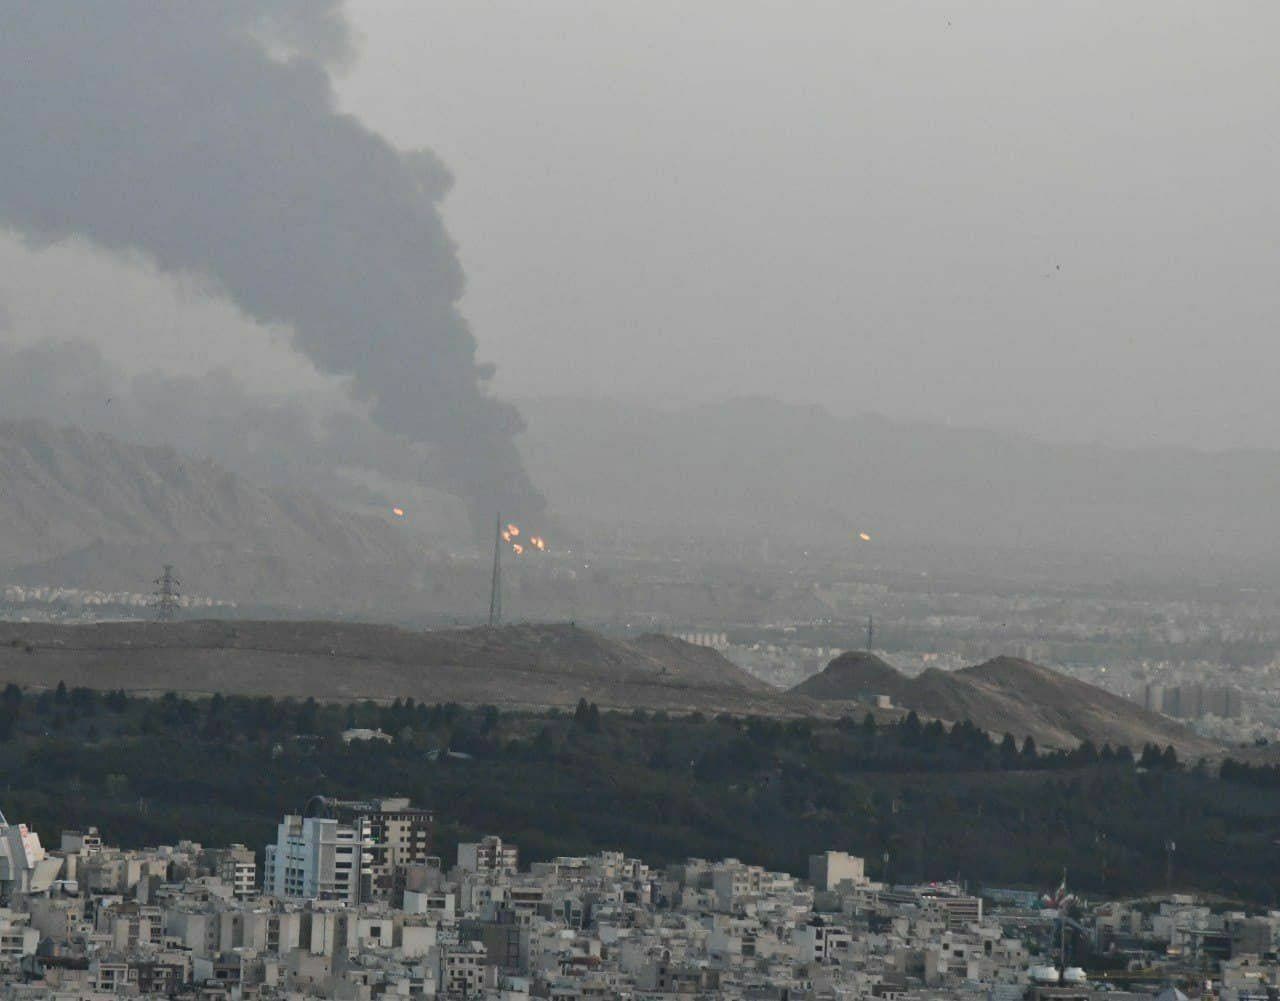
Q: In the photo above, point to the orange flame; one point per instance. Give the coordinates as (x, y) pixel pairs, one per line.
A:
(398, 512)
(517, 548)
(864, 537)
(514, 530)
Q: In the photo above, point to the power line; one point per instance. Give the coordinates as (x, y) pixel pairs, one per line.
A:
(168, 595)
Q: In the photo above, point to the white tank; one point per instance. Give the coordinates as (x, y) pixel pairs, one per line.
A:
(1073, 975)
(1044, 974)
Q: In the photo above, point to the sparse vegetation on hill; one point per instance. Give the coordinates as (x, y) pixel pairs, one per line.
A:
(521, 665)
(1008, 694)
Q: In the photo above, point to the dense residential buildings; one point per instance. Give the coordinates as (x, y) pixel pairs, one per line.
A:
(1192, 700)
(93, 921)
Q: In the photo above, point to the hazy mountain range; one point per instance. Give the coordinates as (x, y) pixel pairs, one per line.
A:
(90, 511)
(757, 466)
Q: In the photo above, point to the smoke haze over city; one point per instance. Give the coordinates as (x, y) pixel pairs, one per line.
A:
(514, 499)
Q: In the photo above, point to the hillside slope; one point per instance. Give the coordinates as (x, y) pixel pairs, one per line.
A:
(1009, 695)
(547, 665)
(88, 510)
(852, 674)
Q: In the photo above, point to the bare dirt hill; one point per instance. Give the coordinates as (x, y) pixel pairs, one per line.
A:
(1008, 695)
(852, 675)
(1075, 709)
(530, 665)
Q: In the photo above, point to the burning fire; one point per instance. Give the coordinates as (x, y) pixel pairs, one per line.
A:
(864, 537)
(398, 512)
(511, 532)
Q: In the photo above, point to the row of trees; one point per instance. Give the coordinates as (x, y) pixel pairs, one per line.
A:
(1261, 776)
(908, 744)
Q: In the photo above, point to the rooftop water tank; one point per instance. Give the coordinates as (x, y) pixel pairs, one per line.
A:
(1044, 974)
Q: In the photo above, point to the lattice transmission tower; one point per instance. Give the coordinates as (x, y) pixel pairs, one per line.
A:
(168, 595)
(495, 590)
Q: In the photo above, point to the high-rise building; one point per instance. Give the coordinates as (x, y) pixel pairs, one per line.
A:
(393, 835)
(390, 835)
(314, 858)
(1191, 701)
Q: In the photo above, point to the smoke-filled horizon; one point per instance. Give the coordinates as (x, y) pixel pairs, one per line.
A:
(205, 136)
(1053, 218)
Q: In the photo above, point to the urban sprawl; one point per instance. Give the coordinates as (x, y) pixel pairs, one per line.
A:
(351, 903)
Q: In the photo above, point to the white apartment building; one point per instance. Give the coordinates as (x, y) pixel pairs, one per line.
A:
(24, 865)
(828, 870)
(239, 870)
(86, 842)
(822, 942)
(489, 855)
(314, 858)
(17, 937)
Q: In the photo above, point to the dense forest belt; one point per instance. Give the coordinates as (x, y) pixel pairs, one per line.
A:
(939, 801)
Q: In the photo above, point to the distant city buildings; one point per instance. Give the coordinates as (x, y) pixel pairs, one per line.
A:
(714, 640)
(1192, 701)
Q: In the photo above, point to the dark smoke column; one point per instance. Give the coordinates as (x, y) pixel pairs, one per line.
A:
(168, 128)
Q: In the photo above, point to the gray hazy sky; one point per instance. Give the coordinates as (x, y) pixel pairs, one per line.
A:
(1061, 218)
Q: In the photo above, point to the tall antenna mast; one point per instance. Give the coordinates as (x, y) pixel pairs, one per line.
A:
(167, 594)
(495, 593)
(871, 633)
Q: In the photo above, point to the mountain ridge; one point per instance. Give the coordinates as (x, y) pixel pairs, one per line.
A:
(697, 469)
(87, 509)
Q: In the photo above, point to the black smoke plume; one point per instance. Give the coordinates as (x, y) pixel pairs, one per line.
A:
(205, 134)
